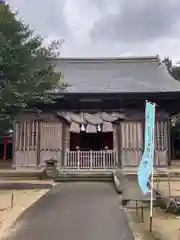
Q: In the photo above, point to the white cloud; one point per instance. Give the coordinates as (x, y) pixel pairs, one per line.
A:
(106, 27)
(80, 17)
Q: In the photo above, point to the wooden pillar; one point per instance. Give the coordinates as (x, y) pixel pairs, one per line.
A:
(118, 136)
(63, 142)
(38, 142)
(66, 141)
(170, 145)
(14, 144)
(5, 142)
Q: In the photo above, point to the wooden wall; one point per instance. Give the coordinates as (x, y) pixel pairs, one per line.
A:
(25, 144)
(51, 142)
(162, 146)
(131, 140)
(38, 138)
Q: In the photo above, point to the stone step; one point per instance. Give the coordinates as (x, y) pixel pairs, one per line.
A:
(19, 174)
(158, 172)
(82, 179)
(83, 176)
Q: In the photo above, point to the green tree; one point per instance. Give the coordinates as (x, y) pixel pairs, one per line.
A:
(174, 70)
(168, 64)
(26, 66)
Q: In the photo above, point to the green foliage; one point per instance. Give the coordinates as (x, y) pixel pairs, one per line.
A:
(26, 66)
(174, 70)
(175, 120)
(168, 64)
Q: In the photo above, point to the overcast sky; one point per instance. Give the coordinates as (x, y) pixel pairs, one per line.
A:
(107, 27)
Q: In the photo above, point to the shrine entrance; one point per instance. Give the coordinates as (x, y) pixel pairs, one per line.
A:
(91, 141)
(91, 151)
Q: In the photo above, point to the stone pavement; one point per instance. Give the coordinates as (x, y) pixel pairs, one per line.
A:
(75, 211)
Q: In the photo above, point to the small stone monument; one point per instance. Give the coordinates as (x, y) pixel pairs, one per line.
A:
(51, 167)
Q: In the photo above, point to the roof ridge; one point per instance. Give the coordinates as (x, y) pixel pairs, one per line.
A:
(117, 59)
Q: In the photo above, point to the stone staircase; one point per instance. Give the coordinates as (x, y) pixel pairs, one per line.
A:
(64, 175)
(83, 174)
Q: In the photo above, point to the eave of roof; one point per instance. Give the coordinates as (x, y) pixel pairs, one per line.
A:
(123, 95)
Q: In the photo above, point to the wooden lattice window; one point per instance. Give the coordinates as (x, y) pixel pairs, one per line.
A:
(32, 134)
(26, 136)
(161, 135)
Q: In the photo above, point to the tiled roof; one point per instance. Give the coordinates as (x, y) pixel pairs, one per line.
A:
(113, 75)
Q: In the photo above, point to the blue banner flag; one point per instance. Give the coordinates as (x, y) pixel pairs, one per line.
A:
(146, 164)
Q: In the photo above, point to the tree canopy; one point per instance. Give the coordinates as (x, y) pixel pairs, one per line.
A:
(173, 69)
(26, 66)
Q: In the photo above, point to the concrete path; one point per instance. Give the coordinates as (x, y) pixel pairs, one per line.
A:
(75, 211)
